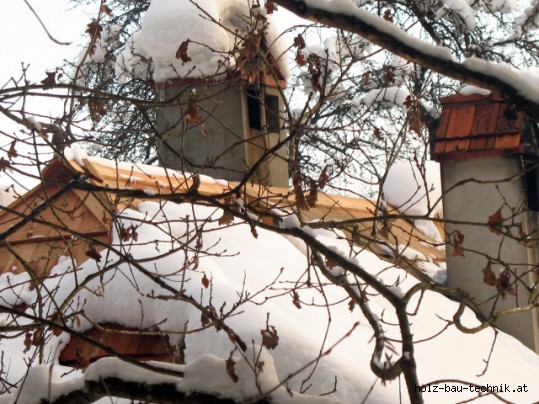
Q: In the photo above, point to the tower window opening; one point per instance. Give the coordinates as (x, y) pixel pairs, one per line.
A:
(253, 109)
(531, 179)
(273, 120)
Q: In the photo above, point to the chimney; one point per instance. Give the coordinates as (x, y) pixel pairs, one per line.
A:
(226, 126)
(488, 154)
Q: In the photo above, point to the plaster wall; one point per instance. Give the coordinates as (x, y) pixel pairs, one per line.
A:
(474, 190)
(217, 150)
(222, 144)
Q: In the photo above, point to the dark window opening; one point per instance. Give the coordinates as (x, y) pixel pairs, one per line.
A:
(253, 109)
(531, 178)
(273, 120)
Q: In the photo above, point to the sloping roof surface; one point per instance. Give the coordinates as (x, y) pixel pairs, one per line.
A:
(477, 125)
(267, 202)
(85, 214)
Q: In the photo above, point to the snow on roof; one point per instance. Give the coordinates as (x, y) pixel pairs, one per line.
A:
(416, 193)
(261, 284)
(214, 31)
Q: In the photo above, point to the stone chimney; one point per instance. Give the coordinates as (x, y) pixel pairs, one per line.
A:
(489, 169)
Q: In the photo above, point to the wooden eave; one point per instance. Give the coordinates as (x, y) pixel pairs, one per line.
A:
(263, 199)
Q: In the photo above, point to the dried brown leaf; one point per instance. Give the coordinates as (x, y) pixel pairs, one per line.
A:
(38, 338)
(55, 330)
(204, 319)
(297, 181)
(134, 233)
(270, 339)
(106, 10)
(50, 80)
(205, 281)
(226, 219)
(300, 59)
(93, 253)
(299, 42)
(503, 284)
(295, 299)
(124, 234)
(192, 116)
(94, 29)
(231, 368)
(181, 53)
(314, 65)
(488, 275)
(3, 164)
(12, 153)
(458, 249)
(313, 193)
(495, 222)
(27, 341)
(323, 177)
(270, 7)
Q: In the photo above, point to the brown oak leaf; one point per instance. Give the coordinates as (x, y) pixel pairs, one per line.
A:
(93, 253)
(270, 339)
(488, 275)
(231, 368)
(50, 80)
(295, 299)
(192, 116)
(181, 53)
(106, 10)
(12, 153)
(503, 284)
(458, 249)
(270, 7)
(495, 222)
(205, 281)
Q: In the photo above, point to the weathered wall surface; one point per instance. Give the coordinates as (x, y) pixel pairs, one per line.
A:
(218, 149)
(489, 184)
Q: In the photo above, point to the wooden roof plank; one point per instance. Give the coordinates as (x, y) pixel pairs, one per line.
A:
(486, 117)
(461, 121)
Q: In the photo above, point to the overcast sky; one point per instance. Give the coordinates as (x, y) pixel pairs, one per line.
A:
(24, 40)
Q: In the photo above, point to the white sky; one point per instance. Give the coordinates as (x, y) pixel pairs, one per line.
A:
(24, 40)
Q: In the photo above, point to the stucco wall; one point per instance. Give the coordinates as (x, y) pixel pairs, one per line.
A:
(486, 184)
(224, 147)
(218, 151)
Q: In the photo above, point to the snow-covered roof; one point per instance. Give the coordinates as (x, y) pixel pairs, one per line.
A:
(177, 258)
(212, 32)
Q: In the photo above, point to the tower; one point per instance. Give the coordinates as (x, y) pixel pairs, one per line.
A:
(226, 128)
(489, 159)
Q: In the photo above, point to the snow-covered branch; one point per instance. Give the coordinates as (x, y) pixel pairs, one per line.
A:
(497, 78)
